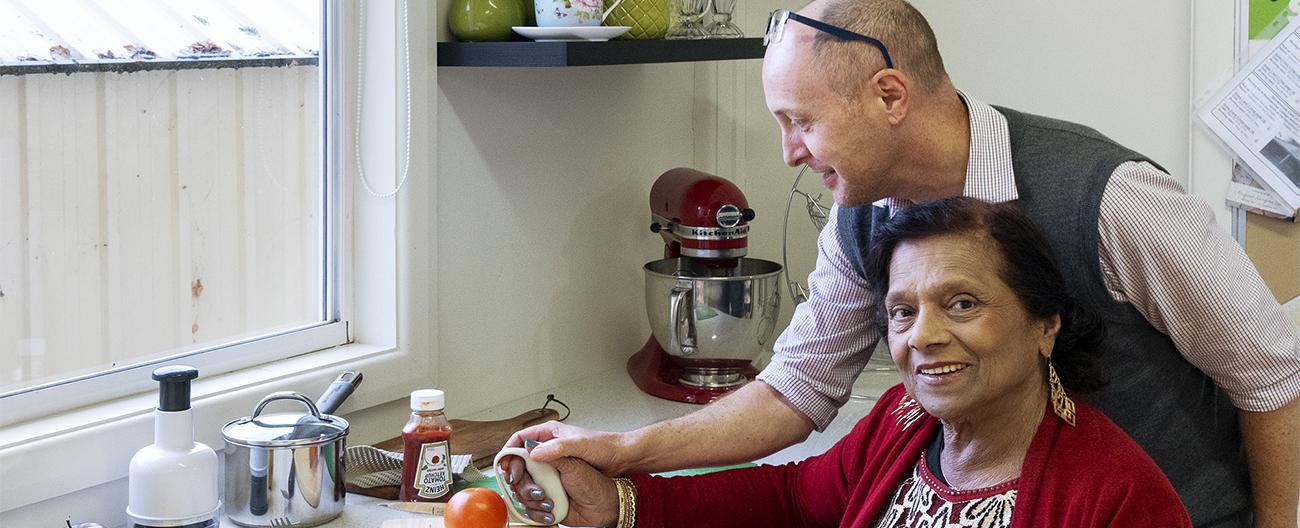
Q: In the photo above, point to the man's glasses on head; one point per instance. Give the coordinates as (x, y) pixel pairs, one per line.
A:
(776, 30)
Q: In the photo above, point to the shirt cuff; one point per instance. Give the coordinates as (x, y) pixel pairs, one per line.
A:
(804, 396)
(1270, 397)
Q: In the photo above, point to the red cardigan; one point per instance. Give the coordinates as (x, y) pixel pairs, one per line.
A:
(1089, 475)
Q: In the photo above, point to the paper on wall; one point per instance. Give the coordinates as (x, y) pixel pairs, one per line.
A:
(1257, 115)
(1247, 192)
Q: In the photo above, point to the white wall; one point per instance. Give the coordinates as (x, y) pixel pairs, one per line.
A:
(1133, 70)
(543, 187)
(543, 225)
(1120, 67)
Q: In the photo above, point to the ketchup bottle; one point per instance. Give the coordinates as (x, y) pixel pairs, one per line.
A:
(426, 452)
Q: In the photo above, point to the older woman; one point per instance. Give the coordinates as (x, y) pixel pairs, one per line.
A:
(984, 430)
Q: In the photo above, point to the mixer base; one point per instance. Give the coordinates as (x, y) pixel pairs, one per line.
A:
(712, 378)
(655, 374)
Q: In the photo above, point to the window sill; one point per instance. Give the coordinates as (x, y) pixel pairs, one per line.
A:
(48, 457)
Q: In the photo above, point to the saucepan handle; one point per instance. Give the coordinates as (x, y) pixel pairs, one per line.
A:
(286, 395)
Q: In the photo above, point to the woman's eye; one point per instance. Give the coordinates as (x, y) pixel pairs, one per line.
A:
(962, 305)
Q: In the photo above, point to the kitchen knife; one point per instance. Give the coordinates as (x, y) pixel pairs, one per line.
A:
(427, 508)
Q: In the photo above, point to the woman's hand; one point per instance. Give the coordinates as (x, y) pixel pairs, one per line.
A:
(553, 441)
(593, 497)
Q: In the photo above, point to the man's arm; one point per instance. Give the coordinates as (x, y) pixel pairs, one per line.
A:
(1162, 252)
(1273, 452)
(752, 422)
(809, 377)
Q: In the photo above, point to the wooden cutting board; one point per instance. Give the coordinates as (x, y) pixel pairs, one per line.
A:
(481, 440)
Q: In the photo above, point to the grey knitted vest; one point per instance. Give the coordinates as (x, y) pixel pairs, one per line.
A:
(1172, 409)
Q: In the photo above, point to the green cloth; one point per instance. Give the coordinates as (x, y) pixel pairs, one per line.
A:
(702, 471)
(491, 482)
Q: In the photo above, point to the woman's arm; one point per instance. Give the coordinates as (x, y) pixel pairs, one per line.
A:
(808, 493)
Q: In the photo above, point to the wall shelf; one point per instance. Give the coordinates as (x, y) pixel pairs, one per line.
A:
(560, 54)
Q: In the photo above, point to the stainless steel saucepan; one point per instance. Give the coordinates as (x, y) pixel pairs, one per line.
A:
(287, 468)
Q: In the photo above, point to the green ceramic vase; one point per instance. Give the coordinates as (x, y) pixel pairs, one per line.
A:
(648, 18)
(481, 20)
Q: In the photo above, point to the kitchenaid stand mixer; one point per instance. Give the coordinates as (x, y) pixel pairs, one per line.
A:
(712, 311)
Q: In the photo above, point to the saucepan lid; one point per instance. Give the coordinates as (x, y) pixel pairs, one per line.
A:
(285, 429)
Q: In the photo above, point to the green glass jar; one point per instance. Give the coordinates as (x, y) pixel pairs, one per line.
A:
(648, 18)
(481, 20)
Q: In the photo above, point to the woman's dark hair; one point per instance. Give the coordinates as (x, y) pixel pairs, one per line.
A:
(1028, 268)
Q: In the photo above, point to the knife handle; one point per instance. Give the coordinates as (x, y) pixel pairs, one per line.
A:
(339, 390)
(428, 508)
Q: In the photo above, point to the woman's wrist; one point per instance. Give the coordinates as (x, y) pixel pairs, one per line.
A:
(626, 503)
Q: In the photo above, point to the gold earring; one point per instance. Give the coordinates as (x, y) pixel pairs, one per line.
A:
(1061, 402)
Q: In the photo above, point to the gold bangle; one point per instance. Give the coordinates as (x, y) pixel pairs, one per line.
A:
(626, 503)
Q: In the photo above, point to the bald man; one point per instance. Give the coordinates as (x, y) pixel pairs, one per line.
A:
(1203, 364)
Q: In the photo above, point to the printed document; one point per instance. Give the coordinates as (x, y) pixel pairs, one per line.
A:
(1257, 115)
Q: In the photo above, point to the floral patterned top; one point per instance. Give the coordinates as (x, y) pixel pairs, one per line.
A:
(922, 500)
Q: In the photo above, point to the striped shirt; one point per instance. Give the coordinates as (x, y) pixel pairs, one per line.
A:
(1159, 250)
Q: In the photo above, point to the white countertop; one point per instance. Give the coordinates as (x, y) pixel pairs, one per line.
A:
(611, 402)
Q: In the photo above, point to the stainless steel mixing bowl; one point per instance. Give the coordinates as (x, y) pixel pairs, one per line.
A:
(709, 317)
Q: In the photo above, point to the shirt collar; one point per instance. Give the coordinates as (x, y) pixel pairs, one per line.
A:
(989, 175)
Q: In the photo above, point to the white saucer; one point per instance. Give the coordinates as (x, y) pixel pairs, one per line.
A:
(552, 34)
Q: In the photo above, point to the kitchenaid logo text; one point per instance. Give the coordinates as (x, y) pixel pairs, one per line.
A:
(711, 233)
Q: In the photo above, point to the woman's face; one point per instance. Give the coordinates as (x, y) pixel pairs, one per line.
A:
(962, 341)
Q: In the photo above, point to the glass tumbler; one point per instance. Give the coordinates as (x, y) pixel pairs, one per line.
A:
(687, 24)
(722, 26)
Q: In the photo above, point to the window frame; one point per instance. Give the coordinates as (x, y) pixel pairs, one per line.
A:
(384, 298)
(224, 357)
(234, 353)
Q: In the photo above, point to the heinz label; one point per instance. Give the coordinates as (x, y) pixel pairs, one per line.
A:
(433, 477)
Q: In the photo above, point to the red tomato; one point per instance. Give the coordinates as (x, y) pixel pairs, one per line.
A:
(475, 508)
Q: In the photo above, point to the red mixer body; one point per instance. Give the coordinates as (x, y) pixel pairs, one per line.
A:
(700, 216)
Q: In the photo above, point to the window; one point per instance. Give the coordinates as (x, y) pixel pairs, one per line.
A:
(162, 193)
(382, 250)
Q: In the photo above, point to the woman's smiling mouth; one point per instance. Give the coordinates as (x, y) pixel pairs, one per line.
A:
(941, 369)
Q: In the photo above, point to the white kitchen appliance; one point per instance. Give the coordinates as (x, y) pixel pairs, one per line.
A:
(712, 310)
(173, 483)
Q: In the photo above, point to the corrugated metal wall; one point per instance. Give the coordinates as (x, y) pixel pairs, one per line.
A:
(151, 211)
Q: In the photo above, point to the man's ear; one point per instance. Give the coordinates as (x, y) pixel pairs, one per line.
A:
(894, 88)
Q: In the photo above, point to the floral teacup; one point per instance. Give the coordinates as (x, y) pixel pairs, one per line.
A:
(556, 13)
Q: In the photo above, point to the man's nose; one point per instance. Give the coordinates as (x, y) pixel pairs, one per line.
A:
(928, 331)
(793, 149)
